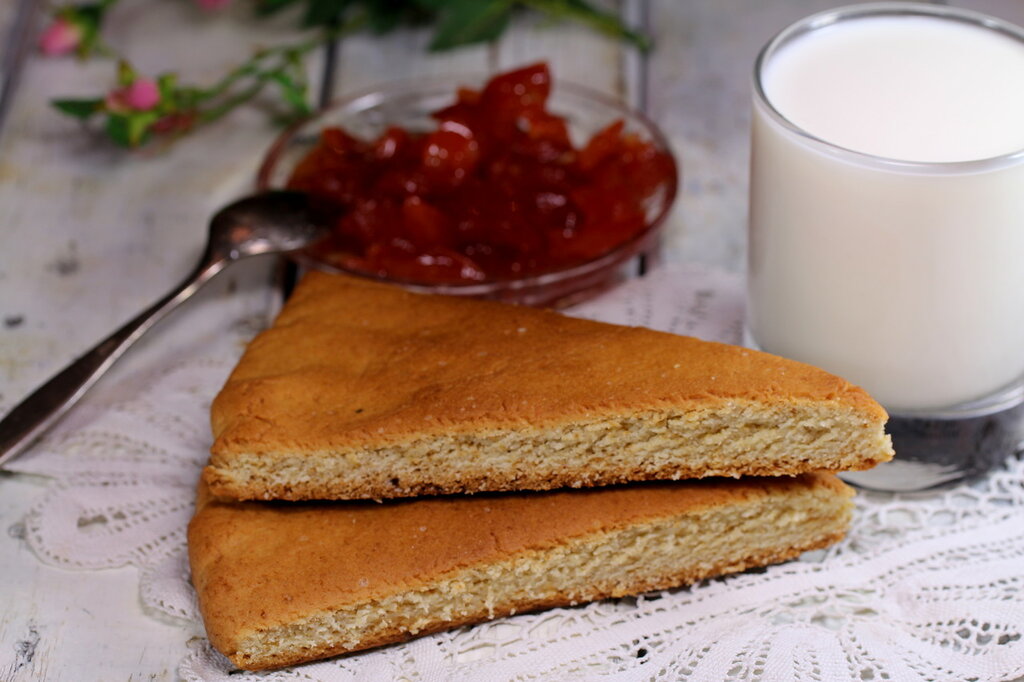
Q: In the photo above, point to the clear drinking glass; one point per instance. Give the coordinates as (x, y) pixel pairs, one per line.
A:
(905, 277)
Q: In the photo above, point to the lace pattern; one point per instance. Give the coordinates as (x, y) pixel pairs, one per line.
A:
(925, 587)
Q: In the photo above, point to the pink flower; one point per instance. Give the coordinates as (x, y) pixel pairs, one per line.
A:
(211, 5)
(60, 37)
(142, 95)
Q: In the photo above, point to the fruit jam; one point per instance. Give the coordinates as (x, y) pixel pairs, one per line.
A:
(496, 192)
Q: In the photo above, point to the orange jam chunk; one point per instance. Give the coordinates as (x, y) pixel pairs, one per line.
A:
(496, 192)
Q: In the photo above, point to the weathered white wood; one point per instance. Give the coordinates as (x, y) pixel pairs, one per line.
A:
(7, 11)
(88, 237)
(367, 61)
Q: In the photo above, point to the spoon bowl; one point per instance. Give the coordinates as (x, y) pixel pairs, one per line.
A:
(271, 222)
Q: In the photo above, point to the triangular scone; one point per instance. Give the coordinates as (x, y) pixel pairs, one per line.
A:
(283, 583)
(364, 390)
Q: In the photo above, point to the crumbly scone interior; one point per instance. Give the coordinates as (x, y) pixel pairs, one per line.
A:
(734, 438)
(657, 554)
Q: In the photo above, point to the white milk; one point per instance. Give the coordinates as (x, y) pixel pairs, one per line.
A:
(907, 279)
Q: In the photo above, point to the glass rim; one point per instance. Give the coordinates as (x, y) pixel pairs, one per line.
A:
(832, 17)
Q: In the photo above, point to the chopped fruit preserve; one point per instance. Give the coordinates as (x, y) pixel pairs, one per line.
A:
(496, 192)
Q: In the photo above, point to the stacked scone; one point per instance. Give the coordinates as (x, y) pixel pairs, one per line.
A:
(602, 461)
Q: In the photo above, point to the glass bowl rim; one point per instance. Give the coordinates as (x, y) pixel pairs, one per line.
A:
(423, 86)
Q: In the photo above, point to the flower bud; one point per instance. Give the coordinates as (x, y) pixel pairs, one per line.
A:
(61, 37)
(142, 95)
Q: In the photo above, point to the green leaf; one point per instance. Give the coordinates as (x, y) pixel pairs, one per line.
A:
(387, 15)
(89, 16)
(126, 75)
(324, 12)
(464, 22)
(294, 92)
(167, 83)
(187, 98)
(130, 130)
(585, 13)
(79, 108)
(268, 7)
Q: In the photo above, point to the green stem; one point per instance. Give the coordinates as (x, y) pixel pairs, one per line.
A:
(212, 115)
(260, 81)
(252, 68)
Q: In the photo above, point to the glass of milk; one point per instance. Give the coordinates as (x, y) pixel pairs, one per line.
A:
(887, 223)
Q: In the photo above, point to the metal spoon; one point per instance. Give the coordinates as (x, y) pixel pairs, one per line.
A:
(273, 222)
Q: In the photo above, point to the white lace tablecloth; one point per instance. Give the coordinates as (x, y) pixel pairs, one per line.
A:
(925, 587)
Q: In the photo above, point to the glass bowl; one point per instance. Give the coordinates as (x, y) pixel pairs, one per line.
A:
(409, 105)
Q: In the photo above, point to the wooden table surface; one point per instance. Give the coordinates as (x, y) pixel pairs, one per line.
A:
(90, 235)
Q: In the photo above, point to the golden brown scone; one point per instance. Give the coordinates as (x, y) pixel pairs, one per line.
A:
(284, 583)
(363, 390)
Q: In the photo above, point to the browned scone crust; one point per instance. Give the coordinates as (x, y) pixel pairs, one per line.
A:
(363, 390)
(284, 583)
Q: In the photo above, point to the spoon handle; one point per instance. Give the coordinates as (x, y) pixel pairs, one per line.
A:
(39, 411)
